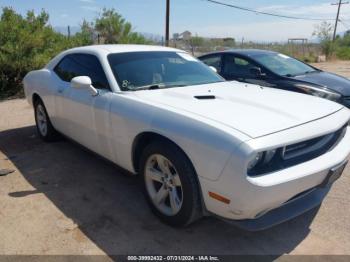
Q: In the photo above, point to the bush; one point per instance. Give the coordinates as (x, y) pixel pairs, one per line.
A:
(343, 53)
(27, 43)
(114, 29)
(343, 47)
(309, 59)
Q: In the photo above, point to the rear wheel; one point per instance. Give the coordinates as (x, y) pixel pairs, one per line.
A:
(170, 184)
(43, 124)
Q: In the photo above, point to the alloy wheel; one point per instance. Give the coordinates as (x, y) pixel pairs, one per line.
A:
(163, 185)
(41, 119)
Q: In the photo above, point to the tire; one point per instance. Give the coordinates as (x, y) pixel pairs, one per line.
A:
(43, 124)
(170, 184)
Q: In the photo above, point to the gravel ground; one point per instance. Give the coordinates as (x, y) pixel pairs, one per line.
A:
(337, 67)
(64, 200)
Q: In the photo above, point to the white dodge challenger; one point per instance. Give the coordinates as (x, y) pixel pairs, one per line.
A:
(252, 155)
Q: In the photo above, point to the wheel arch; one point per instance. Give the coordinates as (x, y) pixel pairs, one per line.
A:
(145, 138)
(35, 98)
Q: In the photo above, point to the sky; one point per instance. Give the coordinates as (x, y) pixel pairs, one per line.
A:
(197, 16)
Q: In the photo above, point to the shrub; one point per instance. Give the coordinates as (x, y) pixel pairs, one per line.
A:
(343, 52)
(27, 42)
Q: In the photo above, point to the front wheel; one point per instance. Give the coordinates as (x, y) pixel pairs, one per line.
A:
(43, 124)
(170, 184)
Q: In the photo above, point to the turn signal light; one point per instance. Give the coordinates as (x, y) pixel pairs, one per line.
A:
(219, 198)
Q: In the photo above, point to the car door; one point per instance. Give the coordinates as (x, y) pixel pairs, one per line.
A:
(241, 69)
(83, 117)
(214, 60)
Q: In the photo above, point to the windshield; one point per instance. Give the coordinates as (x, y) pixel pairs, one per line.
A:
(150, 70)
(283, 65)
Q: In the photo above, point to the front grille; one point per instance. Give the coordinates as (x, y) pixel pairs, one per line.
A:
(297, 153)
(318, 146)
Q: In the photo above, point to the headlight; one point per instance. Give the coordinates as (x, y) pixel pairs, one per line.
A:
(261, 159)
(256, 159)
(320, 92)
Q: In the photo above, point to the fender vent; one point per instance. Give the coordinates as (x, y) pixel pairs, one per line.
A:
(205, 97)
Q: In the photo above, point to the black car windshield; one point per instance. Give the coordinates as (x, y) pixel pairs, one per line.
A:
(283, 65)
(150, 70)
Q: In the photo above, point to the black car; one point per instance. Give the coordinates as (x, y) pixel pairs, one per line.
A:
(267, 68)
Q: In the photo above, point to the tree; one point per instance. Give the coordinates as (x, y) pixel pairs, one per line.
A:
(26, 43)
(114, 29)
(229, 42)
(195, 42)
(86, 34)
(324, 33)
(343, 46)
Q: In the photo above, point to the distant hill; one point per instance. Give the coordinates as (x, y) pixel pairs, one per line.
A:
(75, 29)
(154, 37)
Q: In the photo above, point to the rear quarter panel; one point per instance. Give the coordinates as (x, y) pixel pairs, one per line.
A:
(40, 82)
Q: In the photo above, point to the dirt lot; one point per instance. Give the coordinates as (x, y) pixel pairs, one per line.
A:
(338, 67)
(64, 200)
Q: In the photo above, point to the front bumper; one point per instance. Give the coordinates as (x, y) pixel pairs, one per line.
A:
(264, 200)
(291, 209)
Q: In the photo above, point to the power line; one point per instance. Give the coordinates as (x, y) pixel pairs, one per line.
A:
(346, 25)
(342, 19)
(266, 13)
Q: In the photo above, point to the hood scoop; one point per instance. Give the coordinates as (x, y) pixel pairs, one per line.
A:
(205, 97)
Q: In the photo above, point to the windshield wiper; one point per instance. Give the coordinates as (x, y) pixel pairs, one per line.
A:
(309, 72)
(304, 73)
(290, 75)
(156, 86)
(149, 87)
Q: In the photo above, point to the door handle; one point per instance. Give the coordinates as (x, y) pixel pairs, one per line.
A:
(60, 90)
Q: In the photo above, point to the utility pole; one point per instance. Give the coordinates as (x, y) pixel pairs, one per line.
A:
(68, 32)
(167, 18)
(339, 4)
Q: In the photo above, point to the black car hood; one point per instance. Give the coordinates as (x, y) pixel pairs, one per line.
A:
(333, 82)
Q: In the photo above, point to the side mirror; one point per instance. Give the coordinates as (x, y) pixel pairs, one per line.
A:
(214, 69)
(83, 82)
(256, 71)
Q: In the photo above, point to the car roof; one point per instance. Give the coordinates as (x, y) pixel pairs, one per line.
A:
(245, 52)
(121, 48)
(104, 50)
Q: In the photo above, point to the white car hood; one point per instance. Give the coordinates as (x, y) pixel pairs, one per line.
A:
(253, 110)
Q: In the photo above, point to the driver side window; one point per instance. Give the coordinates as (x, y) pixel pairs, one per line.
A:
(238, 67)
(214, 61)
(82, 65)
